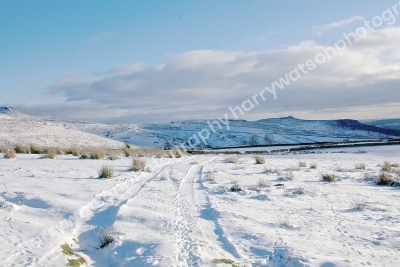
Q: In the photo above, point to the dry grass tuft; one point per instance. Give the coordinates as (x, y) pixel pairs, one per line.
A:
(51, 154)
(104, 238)
(59, 150)
(232, 159)
(305, 190)
(386, 167)
(10, 154)
(358, 203)
(269, 170)
(22, 149)
(35, 149)
(84, 155)
(5, 148)
(98, 154)
(302, 164)
(160, 153)
(383, 179)
(113, 156)
(127, 152)
(138, 165)
(236, 187)
(341, 169)
(295, 168)
(314, 166)
(209, 177)
(106, 172)
(286, 222)
(74, 151)
(259, 160)
(56, 150)
(328, 177)
(222, 189)
(263, 183)
(361, 166)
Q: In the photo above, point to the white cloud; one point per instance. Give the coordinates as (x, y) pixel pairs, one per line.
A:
(204, 83)
(338, 24)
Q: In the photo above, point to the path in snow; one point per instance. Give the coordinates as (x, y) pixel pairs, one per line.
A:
(177, 226)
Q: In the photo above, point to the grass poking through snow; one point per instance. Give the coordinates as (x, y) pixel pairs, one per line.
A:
(106, 172)
(138, 165)
(232, 159)
(383, 178)
(302, 164)
(98, 154)
(361, 166)
(10, 154)
(314, 166)
(104, 238)
(224, 261)
(67, 250)
(328, 177)
(259, 160)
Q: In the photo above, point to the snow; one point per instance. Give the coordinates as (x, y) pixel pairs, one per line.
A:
(225, 133)
(385, 123)
(19, 129)
(174, 216)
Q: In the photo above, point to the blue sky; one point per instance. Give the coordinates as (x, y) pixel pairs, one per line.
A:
(43, 43)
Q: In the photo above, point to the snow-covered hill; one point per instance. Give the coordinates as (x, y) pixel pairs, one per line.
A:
(222, 132)
(393, 124)
(18, 128)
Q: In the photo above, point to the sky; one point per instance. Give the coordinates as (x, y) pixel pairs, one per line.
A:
(158, 61)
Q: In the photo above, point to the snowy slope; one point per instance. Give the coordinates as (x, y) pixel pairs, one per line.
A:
(17, 128)
(176, 216)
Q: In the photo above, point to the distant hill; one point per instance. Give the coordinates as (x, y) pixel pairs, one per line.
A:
(393, 124)
(287, 130)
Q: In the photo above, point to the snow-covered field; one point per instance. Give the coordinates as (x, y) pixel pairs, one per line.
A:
(175, 216)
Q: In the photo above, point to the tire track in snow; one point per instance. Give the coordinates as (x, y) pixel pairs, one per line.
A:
(101, 211)
(211, 230)
(201, 238)
(185, 223)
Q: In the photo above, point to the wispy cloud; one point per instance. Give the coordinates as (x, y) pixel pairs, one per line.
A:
(338, 24)
(99, 37)
(260, 38)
